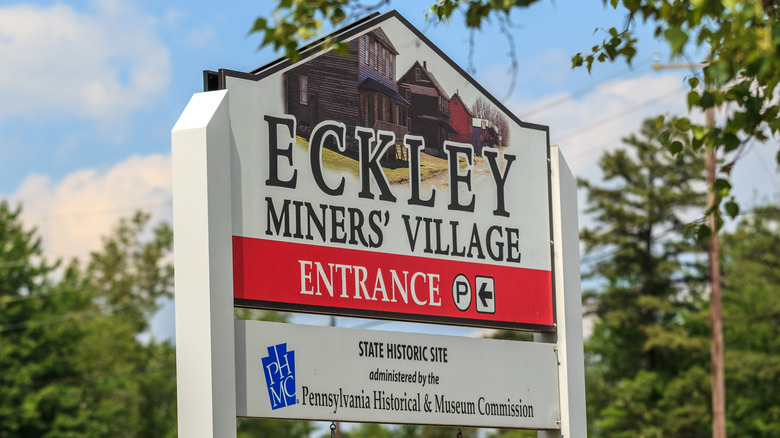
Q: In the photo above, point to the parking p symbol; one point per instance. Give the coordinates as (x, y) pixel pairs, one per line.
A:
(461, 292)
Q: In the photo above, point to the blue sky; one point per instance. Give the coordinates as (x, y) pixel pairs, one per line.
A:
(89, 92)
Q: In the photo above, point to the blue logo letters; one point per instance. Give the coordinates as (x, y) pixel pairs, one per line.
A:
(279, 369)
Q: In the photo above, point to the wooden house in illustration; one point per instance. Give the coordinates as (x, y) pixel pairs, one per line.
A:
(357, 90)
(483, 134)
(429, 110)
(460, 119)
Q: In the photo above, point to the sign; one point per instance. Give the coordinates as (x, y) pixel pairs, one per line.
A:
(337, 374)
(298, 191)
(374, 184)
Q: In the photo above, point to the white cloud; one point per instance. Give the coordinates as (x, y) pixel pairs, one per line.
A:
(101, 64)
(74, 213)
(587, 125)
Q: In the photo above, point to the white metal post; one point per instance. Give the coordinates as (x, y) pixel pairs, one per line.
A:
(568, 302)
(205, 345)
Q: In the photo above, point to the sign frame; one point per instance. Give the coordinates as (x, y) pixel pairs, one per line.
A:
(206, 365)
(221, 80)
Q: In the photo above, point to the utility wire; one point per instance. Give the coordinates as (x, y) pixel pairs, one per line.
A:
(583, 91)
(615, 117)
(107, 212)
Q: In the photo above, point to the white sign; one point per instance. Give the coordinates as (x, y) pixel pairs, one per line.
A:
(337, 374)
(280, 224)
(362, 187)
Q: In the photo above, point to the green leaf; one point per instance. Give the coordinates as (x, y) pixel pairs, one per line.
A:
(693, 99)
(690, 230)
(675, 147)
(676, 38)
(682, 124)
(703, 233)
(730, 142)
(707, 100)
(732, 209)
(576, 60)
(665, 136)
(693, 82)
(659, 122)
(721, 187)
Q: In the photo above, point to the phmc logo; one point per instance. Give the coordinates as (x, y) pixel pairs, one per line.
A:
(279, 369)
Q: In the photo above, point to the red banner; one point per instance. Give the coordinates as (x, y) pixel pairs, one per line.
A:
(349, 282)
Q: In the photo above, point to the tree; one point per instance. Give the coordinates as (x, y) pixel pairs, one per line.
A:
(482, 109)
(644, 275)
(751, 309)
(72, 359)
(742, 70)
(131, 384)
(40, 386)
(640, 259)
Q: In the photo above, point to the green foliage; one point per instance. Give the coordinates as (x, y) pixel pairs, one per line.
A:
(296, 21)
(644, 278)
(72, 361)
(751, 318)
(647, 361)
(39, 389)
(262, 428)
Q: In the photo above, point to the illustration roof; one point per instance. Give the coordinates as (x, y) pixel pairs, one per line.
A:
(374, 85)
(463, 104)
(382, 36)
(430, 76)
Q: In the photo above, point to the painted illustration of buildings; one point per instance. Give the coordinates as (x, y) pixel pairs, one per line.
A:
(357, 90)
(429, 109)
(460, 119)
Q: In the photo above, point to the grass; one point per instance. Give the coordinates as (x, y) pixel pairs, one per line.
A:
(430, 166)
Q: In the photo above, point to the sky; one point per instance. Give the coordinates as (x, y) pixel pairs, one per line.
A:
(89, 92)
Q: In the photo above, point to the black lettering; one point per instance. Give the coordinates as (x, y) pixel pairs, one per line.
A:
(374, 221)
(428, 248)
(356, 226)
(513, 244)
(475, 243)
(454, 151)
(455, 251)
(439, 249)
(500, 244)
(499, 179)
(319, 222)
(298, 205)
(414, 144)
(369, 162)
(321, 132)
(338, 233)
(274, 152)
(278, 219)
(411, 237)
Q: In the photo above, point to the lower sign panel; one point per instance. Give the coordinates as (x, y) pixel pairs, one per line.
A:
(336, 374)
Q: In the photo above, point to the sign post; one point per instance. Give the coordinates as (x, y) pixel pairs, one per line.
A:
(205, 345)
(386, 184)
(568, 338)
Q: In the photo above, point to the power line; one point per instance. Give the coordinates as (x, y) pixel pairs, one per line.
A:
(94, 213)
(583, 91)
(615, 117)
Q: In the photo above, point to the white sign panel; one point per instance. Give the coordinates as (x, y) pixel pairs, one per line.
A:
(336, 374)
(388, 183)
